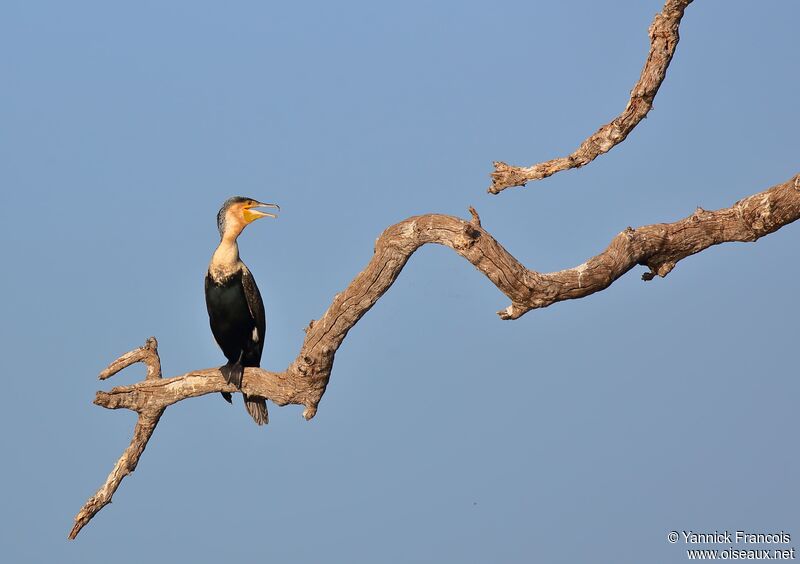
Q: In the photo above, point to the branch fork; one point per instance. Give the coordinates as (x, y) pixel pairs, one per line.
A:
(148, 419)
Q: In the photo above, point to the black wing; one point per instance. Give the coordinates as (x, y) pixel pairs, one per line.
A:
(256, 306)
(256, 405)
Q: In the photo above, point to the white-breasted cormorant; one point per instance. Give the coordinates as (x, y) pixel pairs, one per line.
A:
(234, 304)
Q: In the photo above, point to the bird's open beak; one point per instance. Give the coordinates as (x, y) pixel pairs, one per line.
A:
(252, 214)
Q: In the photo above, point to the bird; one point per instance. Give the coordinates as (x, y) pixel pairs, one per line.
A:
(235, 308)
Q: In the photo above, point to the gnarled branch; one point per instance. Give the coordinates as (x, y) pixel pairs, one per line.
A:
(663, 41)
(658, 247)
(149, 414)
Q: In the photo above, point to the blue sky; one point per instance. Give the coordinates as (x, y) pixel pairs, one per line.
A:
(583, 432)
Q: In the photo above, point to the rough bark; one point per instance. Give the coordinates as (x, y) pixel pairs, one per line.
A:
(659, 247)
(149, 414)
(663, 41)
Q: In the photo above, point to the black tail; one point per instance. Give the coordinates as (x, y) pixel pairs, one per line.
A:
(257, 408)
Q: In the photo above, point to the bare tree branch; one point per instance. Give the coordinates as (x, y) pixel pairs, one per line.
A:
(658, 247)
(148, 419)
(663, 41)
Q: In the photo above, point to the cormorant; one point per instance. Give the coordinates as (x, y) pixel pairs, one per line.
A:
(234, 304)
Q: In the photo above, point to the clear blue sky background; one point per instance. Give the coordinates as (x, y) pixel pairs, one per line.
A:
(580, 433)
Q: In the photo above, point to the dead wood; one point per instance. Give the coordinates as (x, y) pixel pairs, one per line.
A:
(663, 41)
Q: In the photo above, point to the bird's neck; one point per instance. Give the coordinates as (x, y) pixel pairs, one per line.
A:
(225, 260)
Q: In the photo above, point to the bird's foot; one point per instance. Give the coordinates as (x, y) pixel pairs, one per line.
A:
(232, 373)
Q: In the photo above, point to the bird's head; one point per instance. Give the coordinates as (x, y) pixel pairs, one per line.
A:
(237, 212)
